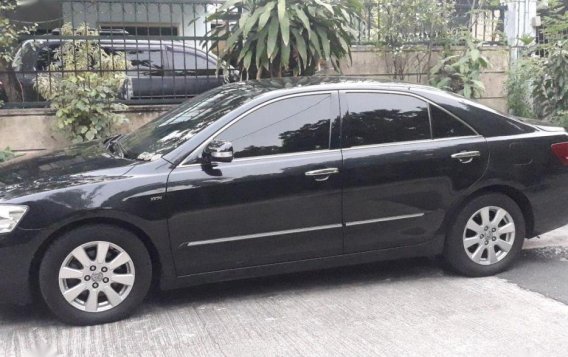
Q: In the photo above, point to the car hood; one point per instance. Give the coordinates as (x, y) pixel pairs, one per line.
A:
(77, 165)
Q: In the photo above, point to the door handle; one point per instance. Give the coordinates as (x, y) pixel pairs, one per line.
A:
(465, 157)
(323, 174)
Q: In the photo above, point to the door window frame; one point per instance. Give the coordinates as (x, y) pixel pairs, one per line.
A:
(344, 103)
(193, 157)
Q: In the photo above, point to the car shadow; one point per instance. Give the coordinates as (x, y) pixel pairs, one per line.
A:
(335, 278)
(398, 270)
(387, 272)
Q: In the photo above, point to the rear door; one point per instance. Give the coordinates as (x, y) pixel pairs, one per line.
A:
(405, 162)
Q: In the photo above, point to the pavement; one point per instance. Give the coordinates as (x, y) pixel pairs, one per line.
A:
(405, 308)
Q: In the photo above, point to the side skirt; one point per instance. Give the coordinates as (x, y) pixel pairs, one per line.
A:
(431, 248)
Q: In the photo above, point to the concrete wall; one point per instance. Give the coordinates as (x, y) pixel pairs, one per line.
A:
(370, 62)
(30, 130)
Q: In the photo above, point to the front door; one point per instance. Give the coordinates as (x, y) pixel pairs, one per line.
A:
(273, 203)
(405, 162)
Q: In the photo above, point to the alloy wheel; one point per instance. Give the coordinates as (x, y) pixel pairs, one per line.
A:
(96, 276)
(489, 235)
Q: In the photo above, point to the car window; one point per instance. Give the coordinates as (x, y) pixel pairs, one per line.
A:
(176, 127)
(189, 60)
(446, 126)
(46, 56)
(287, 126)
(378, 118)
(146, 61)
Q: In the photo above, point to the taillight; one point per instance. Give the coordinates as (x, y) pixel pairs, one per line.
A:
(561, 151)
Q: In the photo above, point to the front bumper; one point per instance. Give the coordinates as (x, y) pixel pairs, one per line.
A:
(17, 251)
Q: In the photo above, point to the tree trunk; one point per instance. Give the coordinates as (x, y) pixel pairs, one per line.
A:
(10, 83)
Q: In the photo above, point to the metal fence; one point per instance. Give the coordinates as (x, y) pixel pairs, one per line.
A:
(165, 44)
(542, 37)
(168, 52)
(486, 24)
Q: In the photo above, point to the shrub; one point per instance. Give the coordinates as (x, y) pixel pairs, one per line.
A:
(10, 32)
(409, 29)
(519, 85)
(550, 90)
(274, 37)
(6, 155)
(84, 85)
(461, 73)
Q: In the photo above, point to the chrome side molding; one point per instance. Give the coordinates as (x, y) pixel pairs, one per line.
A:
(294, 231)
(385, 219)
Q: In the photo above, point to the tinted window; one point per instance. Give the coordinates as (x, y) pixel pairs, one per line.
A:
(144, 30)
(45, 57)
(181, 124)
(446, 126)
(287, 126)
(147, 61)
(183, 60)
(375, 118)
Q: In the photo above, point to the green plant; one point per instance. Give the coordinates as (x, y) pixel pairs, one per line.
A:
(555, 22)
(9, 36)
(83, 86)
(409, 29)
(6, 155)
(278, 37)
(519, 85)
(550, 90)
(408, 22)
(461, 73)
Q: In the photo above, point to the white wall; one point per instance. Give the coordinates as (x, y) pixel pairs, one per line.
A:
(519, 22)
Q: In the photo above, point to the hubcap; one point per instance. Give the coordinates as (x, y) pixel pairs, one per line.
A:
(96, 276)
(489, 235)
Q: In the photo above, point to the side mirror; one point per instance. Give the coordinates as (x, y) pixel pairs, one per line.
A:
(218, 151)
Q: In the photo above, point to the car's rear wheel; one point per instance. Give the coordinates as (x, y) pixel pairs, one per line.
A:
(95, 274)
(486, 236)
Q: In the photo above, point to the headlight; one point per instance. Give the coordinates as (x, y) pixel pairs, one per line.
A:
(10, 216)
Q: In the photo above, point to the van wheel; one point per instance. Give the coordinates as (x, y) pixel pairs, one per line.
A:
(95, 274)
(486, 236)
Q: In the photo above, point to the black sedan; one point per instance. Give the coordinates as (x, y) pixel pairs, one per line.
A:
(268, 177)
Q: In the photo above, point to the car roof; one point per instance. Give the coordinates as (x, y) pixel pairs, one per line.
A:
(122, 42)
(291, 85)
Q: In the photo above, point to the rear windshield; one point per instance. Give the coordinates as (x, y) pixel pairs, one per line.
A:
(485, 120)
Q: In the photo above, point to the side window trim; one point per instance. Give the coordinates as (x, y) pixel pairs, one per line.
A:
(345, 109)
(196, 153)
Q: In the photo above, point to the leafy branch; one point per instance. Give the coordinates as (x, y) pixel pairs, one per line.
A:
(279, 37)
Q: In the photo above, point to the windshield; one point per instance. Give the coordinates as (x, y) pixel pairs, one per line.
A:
(174, 128)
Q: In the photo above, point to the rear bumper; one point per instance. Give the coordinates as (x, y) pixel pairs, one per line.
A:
(17, 251)
(550, 204)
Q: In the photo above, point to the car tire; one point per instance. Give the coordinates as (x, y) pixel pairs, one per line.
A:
(478, 245)
(114, 275)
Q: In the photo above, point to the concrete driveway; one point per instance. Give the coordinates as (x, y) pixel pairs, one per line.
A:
(404, 308)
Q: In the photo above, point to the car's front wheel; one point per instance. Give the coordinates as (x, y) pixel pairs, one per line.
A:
(95, 274)
(486, 236)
